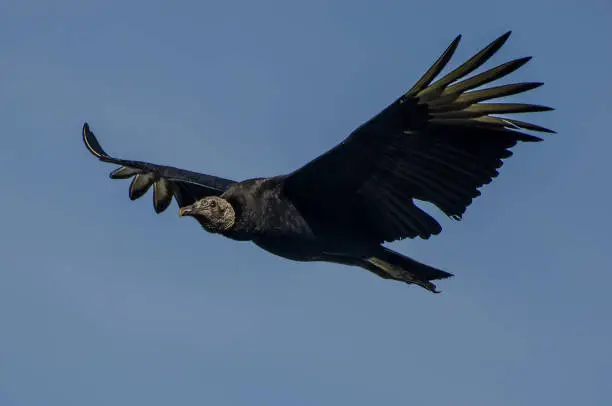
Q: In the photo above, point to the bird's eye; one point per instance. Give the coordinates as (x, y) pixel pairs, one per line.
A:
(213, 204)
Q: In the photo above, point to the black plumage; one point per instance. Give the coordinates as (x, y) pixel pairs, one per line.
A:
(436, 143)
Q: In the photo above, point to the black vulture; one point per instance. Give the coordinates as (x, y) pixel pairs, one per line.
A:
(437, 143)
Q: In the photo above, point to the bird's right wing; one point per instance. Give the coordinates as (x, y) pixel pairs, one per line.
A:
(437, 143)
(167, 181)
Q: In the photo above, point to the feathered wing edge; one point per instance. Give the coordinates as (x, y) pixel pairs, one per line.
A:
(451, 103)
(458, 146)
(185, 186)
(453, 107)
(454, 144)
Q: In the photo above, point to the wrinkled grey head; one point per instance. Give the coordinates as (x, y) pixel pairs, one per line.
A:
(216, 214)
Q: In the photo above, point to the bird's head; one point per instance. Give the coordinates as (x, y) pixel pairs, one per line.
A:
(214, 213)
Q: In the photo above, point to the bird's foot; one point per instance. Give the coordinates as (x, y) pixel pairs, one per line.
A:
(409, 278)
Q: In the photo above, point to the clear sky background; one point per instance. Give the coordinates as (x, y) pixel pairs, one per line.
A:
(103, 302)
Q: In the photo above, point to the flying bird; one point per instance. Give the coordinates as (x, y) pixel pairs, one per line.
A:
(437, 143)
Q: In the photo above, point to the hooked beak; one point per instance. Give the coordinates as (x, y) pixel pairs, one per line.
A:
(185, 211)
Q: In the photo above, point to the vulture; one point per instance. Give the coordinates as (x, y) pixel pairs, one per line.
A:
(439, 143)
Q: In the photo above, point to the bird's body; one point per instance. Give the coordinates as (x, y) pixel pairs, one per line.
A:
(436, 143)
(271, 221)
(262, 212)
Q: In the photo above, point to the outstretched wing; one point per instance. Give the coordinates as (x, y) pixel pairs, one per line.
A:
(436, 143)
(185, 186)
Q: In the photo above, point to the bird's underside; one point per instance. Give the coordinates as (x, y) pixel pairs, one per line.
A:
(439, 143)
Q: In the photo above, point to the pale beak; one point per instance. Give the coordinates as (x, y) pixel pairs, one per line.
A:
(185, 211)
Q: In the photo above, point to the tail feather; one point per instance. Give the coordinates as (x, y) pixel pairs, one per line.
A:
(393, 265)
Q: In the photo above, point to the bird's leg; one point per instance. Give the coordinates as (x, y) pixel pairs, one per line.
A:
(427, 285)
(409, 278)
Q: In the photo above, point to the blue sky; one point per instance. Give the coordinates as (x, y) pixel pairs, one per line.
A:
(103, 302)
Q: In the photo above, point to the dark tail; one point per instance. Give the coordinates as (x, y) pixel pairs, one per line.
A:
(393, 265)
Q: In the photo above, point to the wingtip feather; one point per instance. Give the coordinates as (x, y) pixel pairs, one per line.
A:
(434, 90)
(435, 69)
(91, 142)
(124, 172)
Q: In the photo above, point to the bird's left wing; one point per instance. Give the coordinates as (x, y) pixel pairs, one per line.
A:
(167, 181)
(437, 143)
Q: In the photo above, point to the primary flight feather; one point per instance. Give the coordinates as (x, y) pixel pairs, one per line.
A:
(437, 143)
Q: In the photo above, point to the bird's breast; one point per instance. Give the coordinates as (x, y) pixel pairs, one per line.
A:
(297, 249)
